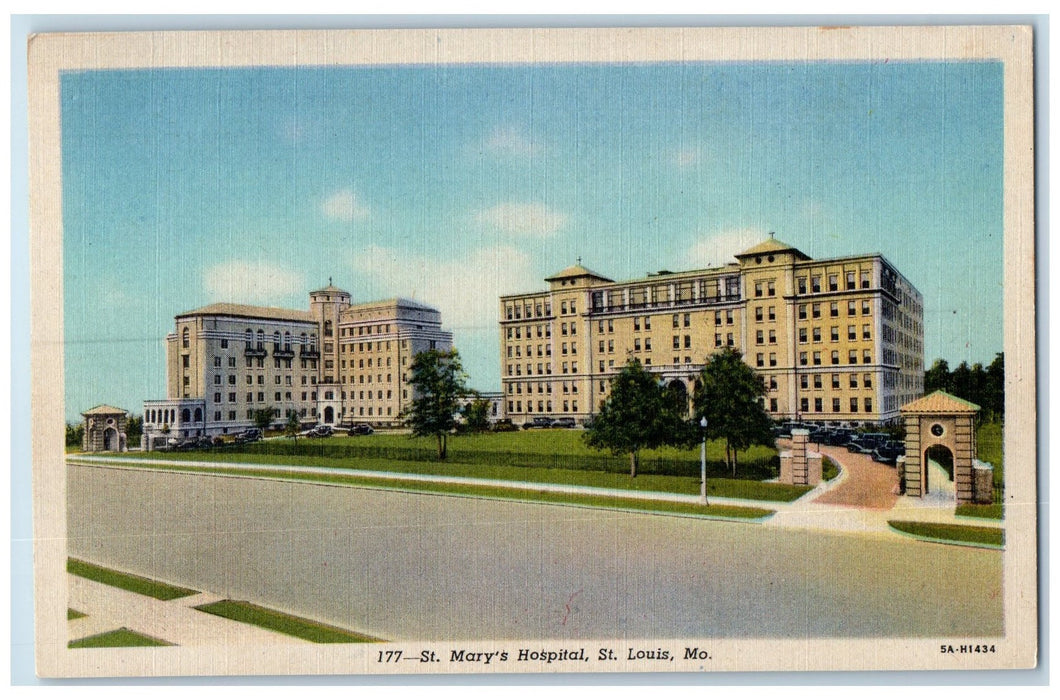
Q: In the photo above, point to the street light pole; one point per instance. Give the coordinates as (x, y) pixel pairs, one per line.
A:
(703, 462)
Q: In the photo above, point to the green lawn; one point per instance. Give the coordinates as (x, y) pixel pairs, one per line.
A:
(128, 582)
(242, 611)
(522, 494)
(951, 533)
(118, 638)
(722, 487)
(994, 511)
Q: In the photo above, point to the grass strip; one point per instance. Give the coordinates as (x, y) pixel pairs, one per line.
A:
(72, 614)
(128, 582)
(994, 511)
(242, 611)
(529, 494)
(951, 533)
(719, 487)
(123, 637)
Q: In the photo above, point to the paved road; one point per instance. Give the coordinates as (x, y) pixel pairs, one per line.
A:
(412, 566)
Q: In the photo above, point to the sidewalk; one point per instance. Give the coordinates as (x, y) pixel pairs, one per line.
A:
(174, 621)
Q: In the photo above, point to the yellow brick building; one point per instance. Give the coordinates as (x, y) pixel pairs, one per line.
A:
(837, 340)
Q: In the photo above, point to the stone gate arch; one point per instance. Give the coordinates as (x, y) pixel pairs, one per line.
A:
(940, 419)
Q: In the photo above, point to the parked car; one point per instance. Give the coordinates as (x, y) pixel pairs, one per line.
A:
(318, 431)
(189, 443)
(249, 435)
(565, 422)
(538, 422)
(888, 452)
(837, 436)
(865, 443)
(360, 429)
(503, 425)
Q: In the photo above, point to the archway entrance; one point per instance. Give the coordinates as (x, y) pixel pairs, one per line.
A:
(110, 440)
(329, 415)
(678, 393)
(940, 428)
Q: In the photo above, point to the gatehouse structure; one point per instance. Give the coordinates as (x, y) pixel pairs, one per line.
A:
(105, 429)
(944, 423)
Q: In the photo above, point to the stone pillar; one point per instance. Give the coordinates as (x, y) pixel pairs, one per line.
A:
(799, 471)
(983, 482)
(913, 456)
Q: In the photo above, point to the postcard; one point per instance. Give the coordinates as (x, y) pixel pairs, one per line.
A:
(451, 351)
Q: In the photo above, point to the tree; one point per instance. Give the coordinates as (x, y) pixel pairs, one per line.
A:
(75, 435)
(263, 418)
(638, 415)
(293, 426)
(728, 397)
(437, 378)
(938, 377)
(477, 415)
(995, 387)
(134, 428)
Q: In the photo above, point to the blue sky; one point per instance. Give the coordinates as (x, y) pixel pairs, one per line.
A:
(454, 184)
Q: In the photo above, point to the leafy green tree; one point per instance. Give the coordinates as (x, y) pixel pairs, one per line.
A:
(134, 428)
(477, 415)
(263, 418)
(994, 387)
(638, 415)
(75, 434)
(938, 377)
(438, 381)
(728, 396)
(292, 427)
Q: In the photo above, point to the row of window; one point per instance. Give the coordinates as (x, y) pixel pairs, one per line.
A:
(347, 331)
(837, 404)
(543, 331)
(818, 381)
(833, 282)
(852, 334)
(518, 311)
(543, 406)
(833, 309)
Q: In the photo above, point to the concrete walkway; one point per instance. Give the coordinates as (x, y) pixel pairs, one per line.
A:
(107, 608)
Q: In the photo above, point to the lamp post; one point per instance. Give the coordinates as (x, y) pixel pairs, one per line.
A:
(703, 462)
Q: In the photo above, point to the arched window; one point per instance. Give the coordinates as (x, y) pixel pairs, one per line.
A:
(304, 336)
(185, 416)
(198, 415)
(250, 338)
(261, 339)
(313, 342)
(287, 340)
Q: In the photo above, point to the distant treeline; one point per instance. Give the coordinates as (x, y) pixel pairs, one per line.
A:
(984, 386)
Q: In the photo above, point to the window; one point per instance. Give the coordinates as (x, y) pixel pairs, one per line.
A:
(647, 323)
(851, 284)
(835, 405)
(835, 357)
(758, 289)
(773, 405)
(728, 340)
(802, 335)
(717, 318)
(816, 284)
(216, 361)
(217, 397)
(816, 310)
(217, 379)
(804, 404)
(866, 282)
(852, 333)
(772, 337)
(866, 307)
(817, 381)
(760, 337)
(818, 404)
(677, 342)
(868, 404)
(676, 320)
(852, 357)
(853, 404)
(717, 340)
(728, 318)
(833, 283)
(834, 309)
(760, 360)
(224, 343)
(804, 382)
(835, 381)
(772, 313)
(803, 358)
(185, 338)
(851, 308)
(835, 333)
(687, 320)
(853, 381)
(866, 357)
(817, 357)
(185, 361)
(773, 382)
(866, 332)
(771, 288)
(772, 359)
(867, 381)
(758, 313)
(816, 334)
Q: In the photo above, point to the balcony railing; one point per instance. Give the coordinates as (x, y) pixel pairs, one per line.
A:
(309, 353)
(251, 351)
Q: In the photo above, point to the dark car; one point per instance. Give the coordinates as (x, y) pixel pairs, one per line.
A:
(865, 443)
(320, 431)
(249, 435)
(189, 443)
(538, 422)
(360, 429)
(504, 425)
(888, 452)
(565, 422)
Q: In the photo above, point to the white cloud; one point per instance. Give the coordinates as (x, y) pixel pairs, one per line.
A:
(511, 141)
(715, 249)
(685, 157)
(344, 205)
(251, 282)
(466, 290)
(522, 218)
